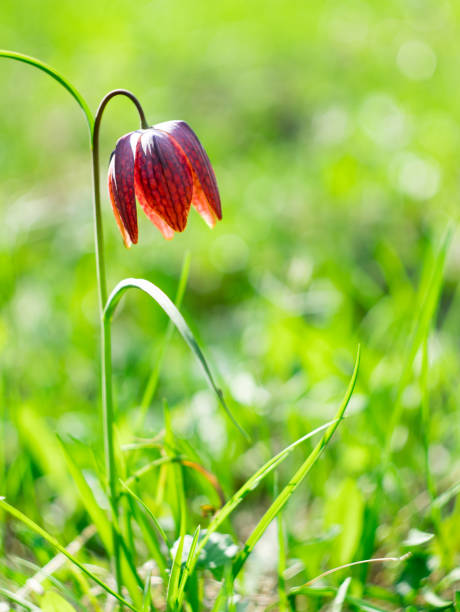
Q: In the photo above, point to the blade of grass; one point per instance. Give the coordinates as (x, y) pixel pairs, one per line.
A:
(86, 589)
(187, 568)
(155, 374)
(147, 604)
(217, 606)
(178, 487)
(427, 301)
(355, 563)
(250, 485)
(150, 540)
(435, 512)
(444, 498)
(228, 589)
(52, 540)
(283, 600)
(46, 572)
(145, 469)
(158, 527)
(175, 316)
(171, 594)
(295, 481)
(95, 512)
(19, 600)
(339, 599)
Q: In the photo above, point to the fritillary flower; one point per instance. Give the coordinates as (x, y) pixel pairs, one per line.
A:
(166, 169)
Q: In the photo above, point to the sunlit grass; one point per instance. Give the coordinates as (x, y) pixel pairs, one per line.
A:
(333, 132)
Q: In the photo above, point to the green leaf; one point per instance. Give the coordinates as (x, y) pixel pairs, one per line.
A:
(295, 481)
(19, 600)
(53, 602)
(186, 570)
(435, 601)
(346, 511)
(40, 440)
(175, 316)
(173, 593)
(339, 599)
(147, 600)
(417, 538)
(425, 307)
(52, 540)
(159, 528)
(416, 569)
(173, 584)
(97, 515)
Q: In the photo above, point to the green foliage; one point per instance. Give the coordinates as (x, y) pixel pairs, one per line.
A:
(346, 511)
(333, 130)
(53, 602)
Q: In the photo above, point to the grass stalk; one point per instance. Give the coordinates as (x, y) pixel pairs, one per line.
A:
(295, 481)
(51, 540)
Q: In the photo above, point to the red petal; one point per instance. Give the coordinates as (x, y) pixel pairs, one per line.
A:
(164, 228)
(206, 197)
(163, 179)
(121, 188)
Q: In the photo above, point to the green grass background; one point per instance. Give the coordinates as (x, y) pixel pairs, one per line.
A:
(334, 132)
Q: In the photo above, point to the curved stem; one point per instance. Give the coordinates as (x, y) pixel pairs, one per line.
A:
(99, 237)
(119, 92)
(106, 375)
(106, 350)
(32, 61)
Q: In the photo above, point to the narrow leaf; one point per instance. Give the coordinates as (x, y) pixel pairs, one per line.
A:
(339, 599)
(147, 602)
(187, 567)
(97, 515)
(295, 481)
(52, 540)
(250, 485)
(53, 602)
(149, 512)
(175, 316)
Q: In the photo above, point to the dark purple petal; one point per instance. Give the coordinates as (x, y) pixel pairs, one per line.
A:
(163, 179)
(201, 166)
(121, 187)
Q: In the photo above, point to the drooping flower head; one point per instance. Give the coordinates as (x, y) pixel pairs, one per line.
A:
(167, 170)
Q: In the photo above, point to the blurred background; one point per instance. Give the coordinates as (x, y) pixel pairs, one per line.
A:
(333, 128)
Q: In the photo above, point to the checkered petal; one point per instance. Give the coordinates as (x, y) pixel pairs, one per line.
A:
(163, 181)
(121, 187)
(206, 197)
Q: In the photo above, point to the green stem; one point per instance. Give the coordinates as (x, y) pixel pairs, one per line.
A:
(106, 368)
(99, 238)
(32, 61)
(106, 345)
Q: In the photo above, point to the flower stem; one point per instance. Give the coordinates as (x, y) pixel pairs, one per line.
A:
(32, 61)
(99, 237)
(106, 348)
(106, 363)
